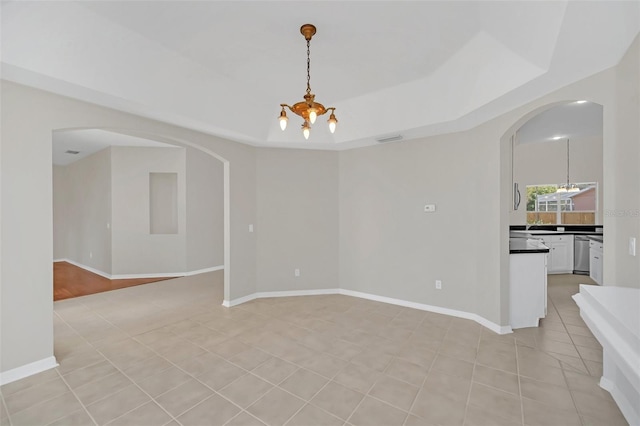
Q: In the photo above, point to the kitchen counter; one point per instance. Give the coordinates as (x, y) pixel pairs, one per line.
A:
(525, 245)
(543, 232)
(527, 282)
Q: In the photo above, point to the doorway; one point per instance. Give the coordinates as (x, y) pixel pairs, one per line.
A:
(113, 201)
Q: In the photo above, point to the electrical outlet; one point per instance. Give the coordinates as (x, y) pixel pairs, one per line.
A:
(90, 255)
(438, 285)
(296, 272)
(251, 228)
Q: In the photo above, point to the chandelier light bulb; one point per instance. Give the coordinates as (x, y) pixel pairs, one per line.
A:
(332, 122)
(306, 130)
(312, 115)
(283, 120)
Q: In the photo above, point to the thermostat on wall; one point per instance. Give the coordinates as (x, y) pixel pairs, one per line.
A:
(429, 208)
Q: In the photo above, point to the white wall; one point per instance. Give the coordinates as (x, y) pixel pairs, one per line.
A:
(205, 211)
(390, 247)
(622, 214)
(135, 249)
(59, 212)
(297, 219)
(469, 252)
(82, 210)
(29, 117)
(546, 163)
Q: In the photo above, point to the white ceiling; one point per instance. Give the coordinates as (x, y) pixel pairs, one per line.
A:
(573, 120)
(89, 141)
(414, 68)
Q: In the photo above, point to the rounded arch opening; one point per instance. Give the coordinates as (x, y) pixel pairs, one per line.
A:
(512, 182)
(170, 140)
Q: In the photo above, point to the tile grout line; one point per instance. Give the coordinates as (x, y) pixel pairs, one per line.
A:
(365, 394)
(121, 372)
(65, 381)
(290, 320)
(275, 385)
(573, 400)
(117, 368)
(160, 355)
(78, 399)
(330, 380)
(437, 352)
(6, 410)
(60, 376)
(519, 384)
(473, 372)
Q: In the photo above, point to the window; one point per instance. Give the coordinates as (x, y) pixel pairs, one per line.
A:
(547, 205)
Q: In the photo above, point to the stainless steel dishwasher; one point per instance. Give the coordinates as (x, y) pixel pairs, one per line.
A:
(581, 255)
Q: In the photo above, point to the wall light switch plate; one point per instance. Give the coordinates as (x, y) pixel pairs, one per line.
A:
(429, 208)
(250, 228)
(632, 246)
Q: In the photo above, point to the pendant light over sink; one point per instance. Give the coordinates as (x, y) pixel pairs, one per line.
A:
(568, 187)
(308, 109)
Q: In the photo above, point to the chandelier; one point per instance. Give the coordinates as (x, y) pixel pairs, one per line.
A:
(308, 109)
(568, 187)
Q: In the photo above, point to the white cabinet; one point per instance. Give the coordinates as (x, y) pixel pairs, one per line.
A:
(527, 289)
(560, 258)
(595, 261)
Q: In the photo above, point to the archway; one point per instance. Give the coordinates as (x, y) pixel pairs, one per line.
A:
(226, 184)
(553, 138)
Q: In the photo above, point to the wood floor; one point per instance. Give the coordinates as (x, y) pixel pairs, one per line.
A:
(71, 281)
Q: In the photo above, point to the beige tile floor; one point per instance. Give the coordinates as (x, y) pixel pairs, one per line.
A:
(168, 354)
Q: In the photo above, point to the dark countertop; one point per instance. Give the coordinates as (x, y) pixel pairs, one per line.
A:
(525, 245)
(542, 232)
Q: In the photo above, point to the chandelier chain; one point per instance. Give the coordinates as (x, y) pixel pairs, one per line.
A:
(567, 163)
(308, 67)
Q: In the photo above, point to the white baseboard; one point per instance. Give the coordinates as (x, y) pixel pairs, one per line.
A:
(423, 307)
(238, 301)
(430, 308)
(291, 293)
(203, 271)
(152, 275)
(27, 370)
(86, 268)
(267, 294)
(134, 276)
